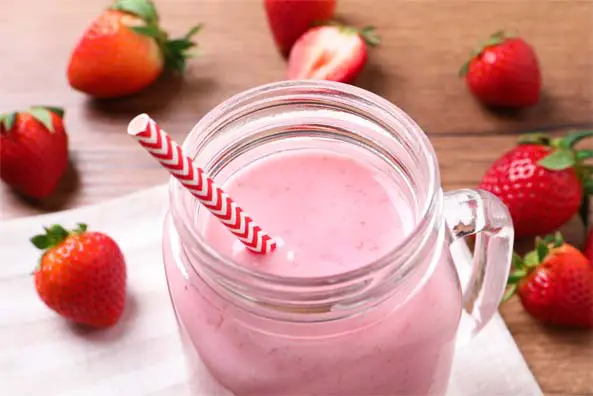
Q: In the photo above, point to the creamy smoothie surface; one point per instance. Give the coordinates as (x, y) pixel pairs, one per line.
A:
(331, 213)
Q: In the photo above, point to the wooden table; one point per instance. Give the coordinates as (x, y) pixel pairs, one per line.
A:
(424, 44)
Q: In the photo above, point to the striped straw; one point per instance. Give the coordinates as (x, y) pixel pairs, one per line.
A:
(169, 154)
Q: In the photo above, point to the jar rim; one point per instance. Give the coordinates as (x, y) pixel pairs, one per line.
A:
(401, 252)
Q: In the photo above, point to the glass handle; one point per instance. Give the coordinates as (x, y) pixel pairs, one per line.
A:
(483, 279)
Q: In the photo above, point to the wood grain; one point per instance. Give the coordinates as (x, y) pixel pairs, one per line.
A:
(424, 44)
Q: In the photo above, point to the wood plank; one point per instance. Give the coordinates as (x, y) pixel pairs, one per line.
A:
(561, 359)
(424, 44)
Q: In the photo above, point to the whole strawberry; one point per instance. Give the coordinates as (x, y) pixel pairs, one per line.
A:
(290, 19)
(333, 52)
(81, 275)
(504, 72)
(541, 181)
(33, 150)
(125, 50)
(554, 283)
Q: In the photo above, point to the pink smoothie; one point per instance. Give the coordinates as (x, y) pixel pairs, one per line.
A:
(331, 213)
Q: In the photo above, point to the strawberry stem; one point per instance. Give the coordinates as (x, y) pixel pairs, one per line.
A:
(575, 137)
(582, 155)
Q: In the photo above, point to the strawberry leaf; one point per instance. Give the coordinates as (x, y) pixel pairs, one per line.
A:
(180, 45)
(370, 36)
(8, 120)
(548, 239)
(557, 239)
(582, 155)
(516, 276)
(464, 69)
(145, 9)
(56, 110)
(53, 236)
(193, 31)
(574, 137)
(40, 241)
(56, 234)
(510, 292)
(560, 143)
(532, 259)
(148, 30)
(495, 39)
(176, 51)
(542, 249)
(42, 115)
(81, 228)
(516, 261)
(558, 160)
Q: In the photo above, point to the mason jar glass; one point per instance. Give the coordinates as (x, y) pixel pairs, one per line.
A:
(388, 327)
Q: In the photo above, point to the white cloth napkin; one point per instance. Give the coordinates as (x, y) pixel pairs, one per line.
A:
(41, 354)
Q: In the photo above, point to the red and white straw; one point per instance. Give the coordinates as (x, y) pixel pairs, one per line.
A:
(169, 154)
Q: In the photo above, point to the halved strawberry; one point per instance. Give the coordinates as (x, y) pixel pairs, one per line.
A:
(333, 52)
(290, 19)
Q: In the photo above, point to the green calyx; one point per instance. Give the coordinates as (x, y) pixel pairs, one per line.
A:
(54, 235)
(495, 39)
(175, 51)
(523, 266)
(370, 36)
(40, 113)
(564, 156)
(7, 120)
(367, 33)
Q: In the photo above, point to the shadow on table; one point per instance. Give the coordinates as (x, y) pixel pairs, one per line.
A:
(373, 78)
(569, 336)
(155, 99)
(544, 109)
